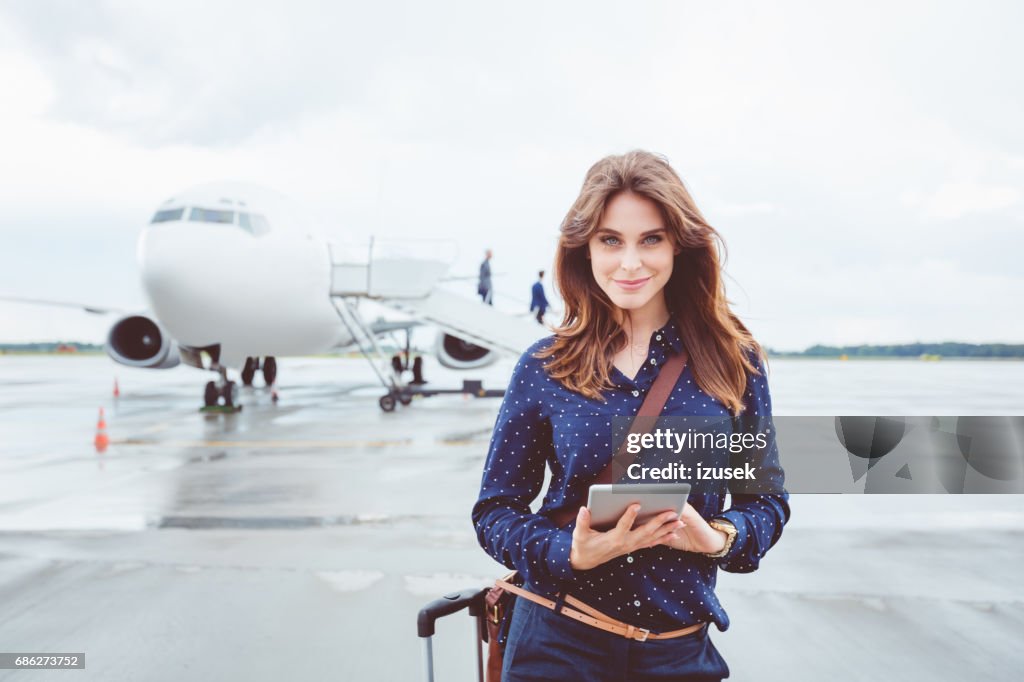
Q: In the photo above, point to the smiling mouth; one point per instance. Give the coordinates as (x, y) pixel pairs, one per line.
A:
(631, 283)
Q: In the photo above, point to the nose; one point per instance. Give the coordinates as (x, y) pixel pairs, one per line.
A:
(631, 260)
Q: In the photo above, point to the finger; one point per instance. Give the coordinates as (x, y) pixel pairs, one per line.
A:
(664, 538)
(652, 526)
(673, 526)
(627, 518)
(663, 534)
(689, 513)
(583, 520)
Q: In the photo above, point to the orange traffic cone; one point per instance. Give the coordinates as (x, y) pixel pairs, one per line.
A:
(117, 391)
(102, 440)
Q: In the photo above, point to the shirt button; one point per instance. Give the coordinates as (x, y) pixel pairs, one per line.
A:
(658, 337)
(636, 393)
(654, 361)
(629, 559)
(636, 603)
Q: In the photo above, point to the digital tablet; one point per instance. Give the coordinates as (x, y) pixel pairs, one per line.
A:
(607, 507)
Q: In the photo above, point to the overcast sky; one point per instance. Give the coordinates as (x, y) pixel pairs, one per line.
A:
(864, 162)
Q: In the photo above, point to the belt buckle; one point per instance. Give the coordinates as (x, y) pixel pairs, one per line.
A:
(644, 632)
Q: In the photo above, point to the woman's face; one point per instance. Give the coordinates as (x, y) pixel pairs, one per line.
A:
(631, 255)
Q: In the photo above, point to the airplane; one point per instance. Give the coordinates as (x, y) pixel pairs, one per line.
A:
(235, 278)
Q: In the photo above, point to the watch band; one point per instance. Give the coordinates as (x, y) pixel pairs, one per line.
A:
(730, 531)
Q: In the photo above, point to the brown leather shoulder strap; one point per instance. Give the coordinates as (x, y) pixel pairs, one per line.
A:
(652, 406)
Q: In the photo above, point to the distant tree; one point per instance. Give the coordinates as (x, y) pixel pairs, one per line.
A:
(946, 349)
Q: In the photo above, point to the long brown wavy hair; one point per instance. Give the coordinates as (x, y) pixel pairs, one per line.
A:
(719, 345)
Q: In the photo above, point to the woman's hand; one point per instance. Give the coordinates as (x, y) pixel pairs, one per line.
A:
(592, 548)
(697, 535)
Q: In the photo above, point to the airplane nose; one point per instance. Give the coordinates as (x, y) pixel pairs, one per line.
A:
(186, 271)
(168, 260)
(188, 255)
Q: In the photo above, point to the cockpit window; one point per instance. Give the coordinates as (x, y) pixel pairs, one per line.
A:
(167, 215)
(259, 224)
(206, 215)
(253, 223)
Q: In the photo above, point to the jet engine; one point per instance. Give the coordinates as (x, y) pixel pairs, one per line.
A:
(138, 341)
(454, 353)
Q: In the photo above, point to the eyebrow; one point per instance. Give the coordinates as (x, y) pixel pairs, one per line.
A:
(619, 234)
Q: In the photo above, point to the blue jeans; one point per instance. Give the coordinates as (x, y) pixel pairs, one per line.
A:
(544, 645)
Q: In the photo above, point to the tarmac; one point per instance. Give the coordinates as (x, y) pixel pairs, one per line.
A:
(298, 540)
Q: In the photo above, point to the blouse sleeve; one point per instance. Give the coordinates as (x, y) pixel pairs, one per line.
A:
(758, 518)
(513, 476)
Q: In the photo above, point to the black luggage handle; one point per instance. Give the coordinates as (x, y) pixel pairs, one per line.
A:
(453, 602)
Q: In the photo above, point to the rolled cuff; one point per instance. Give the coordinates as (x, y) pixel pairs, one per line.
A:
(557, 560)
(739, 522)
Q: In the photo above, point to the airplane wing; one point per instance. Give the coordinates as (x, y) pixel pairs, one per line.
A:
(97, 310)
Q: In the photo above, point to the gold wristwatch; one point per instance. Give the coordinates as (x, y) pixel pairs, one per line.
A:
(730, 533)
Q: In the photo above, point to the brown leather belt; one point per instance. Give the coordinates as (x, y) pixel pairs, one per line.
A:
(594, 618)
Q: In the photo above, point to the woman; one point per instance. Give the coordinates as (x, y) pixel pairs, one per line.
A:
(638, 268)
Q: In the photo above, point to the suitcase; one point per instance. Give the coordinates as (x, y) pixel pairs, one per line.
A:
(471, 599)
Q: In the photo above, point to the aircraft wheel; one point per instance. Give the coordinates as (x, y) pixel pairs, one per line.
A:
(248, 371)
(210, 395)
(417, 371)
(230, 393)
(404, 399)
(387, 403)
(269, 370)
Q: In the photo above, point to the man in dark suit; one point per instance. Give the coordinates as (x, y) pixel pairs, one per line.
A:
(539, 301)
(483, 286)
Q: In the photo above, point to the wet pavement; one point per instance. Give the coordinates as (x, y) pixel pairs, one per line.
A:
(298, 540)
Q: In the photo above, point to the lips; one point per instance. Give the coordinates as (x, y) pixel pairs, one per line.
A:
(632, 284)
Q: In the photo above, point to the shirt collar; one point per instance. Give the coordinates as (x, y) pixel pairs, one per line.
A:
(670, 338)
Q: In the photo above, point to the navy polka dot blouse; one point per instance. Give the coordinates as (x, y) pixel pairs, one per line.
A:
(543, 424)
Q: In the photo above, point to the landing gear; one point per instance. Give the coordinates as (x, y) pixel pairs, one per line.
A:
(397, 391)
(221, 396)
(400, 364)
(249, 371)
(230, 394)
(269, 370)
(417, 371)
(253, 365)
(211, 394)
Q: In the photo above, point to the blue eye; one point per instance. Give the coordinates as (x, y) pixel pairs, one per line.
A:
(610, 241)
(653, 239)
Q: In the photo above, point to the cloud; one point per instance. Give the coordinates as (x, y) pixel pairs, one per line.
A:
(815, 139)
(733, 210)
(954, 200)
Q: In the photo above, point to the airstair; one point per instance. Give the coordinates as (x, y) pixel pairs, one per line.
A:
(407, 276)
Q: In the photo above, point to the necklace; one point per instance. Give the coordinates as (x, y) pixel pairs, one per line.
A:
(637, 351)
